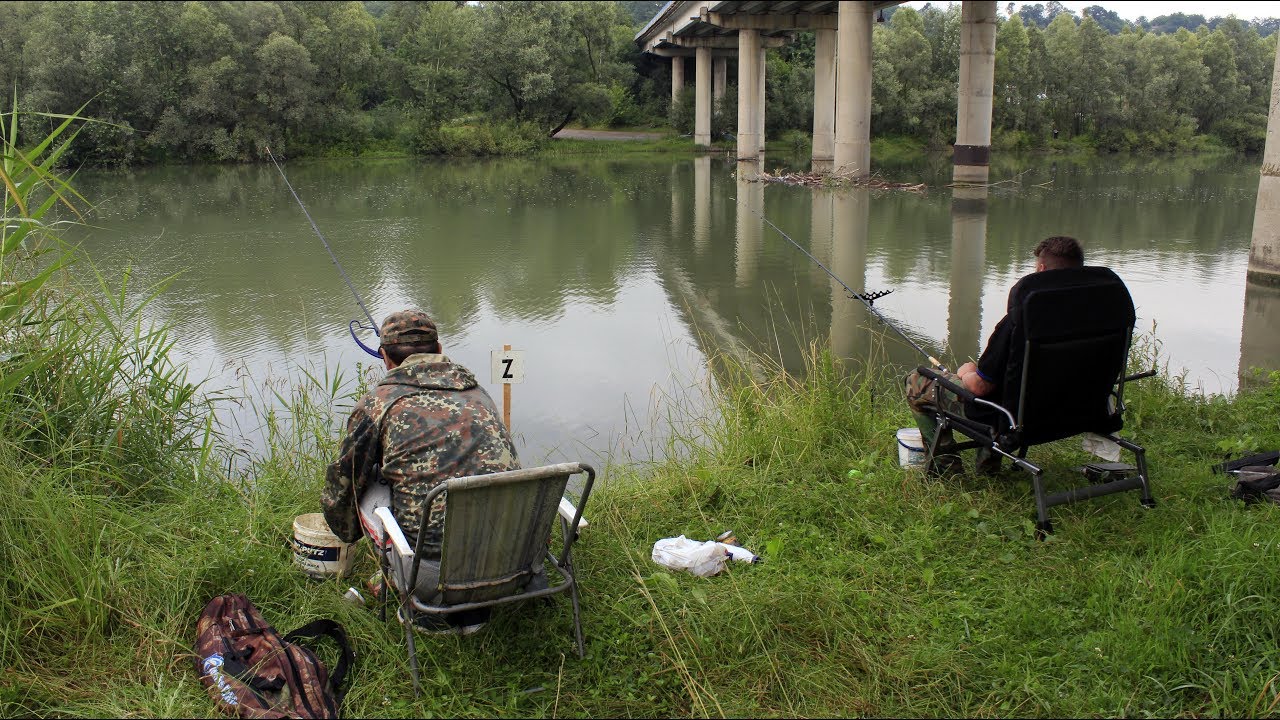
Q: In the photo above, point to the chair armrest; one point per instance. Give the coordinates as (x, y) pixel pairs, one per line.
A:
(1138, 376)
(965, 394)
(393, 531)
(942, 380)
(567, 510)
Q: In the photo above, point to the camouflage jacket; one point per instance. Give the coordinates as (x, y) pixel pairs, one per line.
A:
(425, 422)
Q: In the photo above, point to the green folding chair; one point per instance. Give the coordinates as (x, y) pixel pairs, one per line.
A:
(495, 545)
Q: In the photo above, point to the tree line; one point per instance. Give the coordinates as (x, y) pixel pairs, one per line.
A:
(215, 81)
(1071, 80)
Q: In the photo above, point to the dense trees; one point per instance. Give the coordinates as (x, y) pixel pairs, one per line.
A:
(1127, 90)
(202, 80)
(217, 80)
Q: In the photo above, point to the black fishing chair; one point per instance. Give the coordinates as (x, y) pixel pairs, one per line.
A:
(1072, 329)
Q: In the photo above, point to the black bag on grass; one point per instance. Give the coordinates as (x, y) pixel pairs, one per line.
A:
(251, 671)
(1255, 483)
(1257, 477)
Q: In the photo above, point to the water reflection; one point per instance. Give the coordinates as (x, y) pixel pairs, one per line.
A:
(968, 263)
(1260, 333)
(851, 215)
(750, 206)
(616, 276)
(701, 202)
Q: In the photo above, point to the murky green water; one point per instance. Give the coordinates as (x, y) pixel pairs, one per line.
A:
(617, 277)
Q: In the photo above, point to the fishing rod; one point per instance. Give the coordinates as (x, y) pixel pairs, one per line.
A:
(351, 327)
(867, 299)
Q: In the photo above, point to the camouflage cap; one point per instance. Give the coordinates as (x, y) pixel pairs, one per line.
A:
(408, 327)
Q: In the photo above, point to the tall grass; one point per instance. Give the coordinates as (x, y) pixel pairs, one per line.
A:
(882, 592)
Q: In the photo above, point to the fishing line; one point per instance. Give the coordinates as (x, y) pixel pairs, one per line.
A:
(373, 325)
(853, 293)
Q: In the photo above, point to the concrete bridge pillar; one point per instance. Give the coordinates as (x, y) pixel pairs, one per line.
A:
(1264, 250)
(763, 97)
(677, 79)
(702, 87)
(720, 76)
(972, 156)
(1260, 332)
(824, 100)
(968, 261)
(853, 88)
(748, 100)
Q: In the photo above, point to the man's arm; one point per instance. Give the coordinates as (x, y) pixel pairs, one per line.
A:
(349, 474)
(981, 378)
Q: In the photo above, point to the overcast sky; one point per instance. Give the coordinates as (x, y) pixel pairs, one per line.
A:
(1131, 9)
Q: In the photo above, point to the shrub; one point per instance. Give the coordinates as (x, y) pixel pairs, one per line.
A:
(1012, 140)
(1246, 134)
(796, 140)
(724, 114)
(481, 140)
(681, 114)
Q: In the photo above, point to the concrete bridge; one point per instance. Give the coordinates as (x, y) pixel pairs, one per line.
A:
(712, 32)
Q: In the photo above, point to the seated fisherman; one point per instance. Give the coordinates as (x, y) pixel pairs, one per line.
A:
(983, 378)
(427, 421)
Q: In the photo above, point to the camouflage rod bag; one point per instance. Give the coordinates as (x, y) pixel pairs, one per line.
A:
(251, 671)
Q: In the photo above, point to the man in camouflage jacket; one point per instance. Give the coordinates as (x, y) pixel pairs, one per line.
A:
(427, 421)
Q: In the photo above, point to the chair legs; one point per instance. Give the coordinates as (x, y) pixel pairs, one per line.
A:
(577, 620)
(406, 619)
(1044, 501)
(1140, 455)
(385, 568)
(1044, 526)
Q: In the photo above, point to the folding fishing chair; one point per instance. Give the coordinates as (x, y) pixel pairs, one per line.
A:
(1072, 329)
(494, 548)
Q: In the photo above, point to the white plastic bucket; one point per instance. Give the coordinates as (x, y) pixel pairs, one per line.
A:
(910, 447)
(317, 550)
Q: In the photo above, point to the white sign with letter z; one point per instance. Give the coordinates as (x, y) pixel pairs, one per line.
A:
(507, 366)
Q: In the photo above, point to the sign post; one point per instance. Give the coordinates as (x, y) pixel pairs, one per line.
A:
(507, 367)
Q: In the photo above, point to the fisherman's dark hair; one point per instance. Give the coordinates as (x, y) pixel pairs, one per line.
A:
(1059, 252)
(400, 352)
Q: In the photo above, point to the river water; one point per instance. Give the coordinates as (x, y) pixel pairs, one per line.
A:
(618, 277)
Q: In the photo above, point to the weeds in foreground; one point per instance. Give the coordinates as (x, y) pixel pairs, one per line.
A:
(882, 592)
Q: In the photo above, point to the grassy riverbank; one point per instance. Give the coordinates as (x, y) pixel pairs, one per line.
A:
(882, 592)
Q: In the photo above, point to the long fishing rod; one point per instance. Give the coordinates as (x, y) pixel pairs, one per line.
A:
(351, 327)
(853, 293)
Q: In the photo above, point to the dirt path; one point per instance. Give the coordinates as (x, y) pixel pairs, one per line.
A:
(605, 135)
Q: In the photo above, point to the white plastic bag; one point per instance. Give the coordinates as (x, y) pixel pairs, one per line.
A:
(1101, 447)
(703, 559)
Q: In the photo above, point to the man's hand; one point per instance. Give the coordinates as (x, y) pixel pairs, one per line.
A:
(973, 382)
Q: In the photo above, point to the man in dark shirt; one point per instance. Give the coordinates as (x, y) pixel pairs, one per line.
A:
(983, 378)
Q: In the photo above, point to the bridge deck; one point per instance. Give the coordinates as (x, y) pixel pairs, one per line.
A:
(684, 19)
